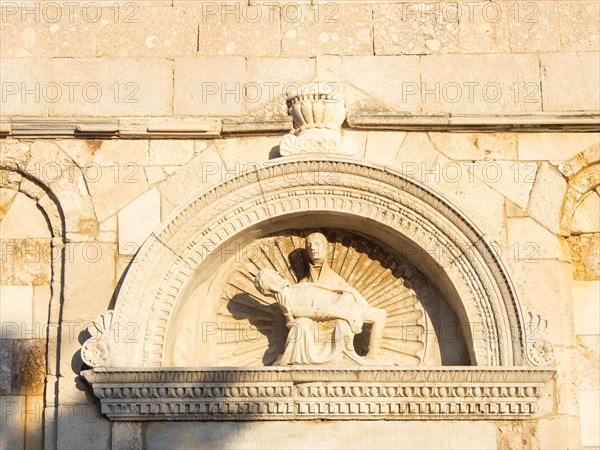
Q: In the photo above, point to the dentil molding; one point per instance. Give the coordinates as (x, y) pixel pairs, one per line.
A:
(311, 393)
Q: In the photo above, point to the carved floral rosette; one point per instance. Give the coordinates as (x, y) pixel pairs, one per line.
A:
(540, 350)
(95, 351)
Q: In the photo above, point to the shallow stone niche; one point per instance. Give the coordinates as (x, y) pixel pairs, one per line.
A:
(190, 293)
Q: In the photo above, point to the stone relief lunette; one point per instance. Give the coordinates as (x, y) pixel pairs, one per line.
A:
(322, 296)
(314, 114)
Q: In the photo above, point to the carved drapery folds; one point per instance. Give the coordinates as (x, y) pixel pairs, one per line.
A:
(384, 280)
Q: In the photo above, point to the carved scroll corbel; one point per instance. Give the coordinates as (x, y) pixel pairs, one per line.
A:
(95, 352)
(539, 349)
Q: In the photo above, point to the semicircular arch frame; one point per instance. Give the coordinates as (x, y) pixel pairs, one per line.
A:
(451, 248)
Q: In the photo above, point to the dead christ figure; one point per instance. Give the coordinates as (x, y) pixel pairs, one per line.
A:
(306, 302)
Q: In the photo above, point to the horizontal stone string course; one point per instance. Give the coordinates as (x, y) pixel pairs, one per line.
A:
(285, 393)
(210, 128)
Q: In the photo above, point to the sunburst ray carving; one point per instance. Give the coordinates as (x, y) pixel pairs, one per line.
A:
(253, 330)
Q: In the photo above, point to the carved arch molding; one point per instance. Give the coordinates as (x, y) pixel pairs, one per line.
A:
(380, 204)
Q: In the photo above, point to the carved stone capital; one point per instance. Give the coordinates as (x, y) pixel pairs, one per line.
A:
(318, 112)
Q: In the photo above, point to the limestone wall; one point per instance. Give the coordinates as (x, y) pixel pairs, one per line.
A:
(74, 211)
(163, 58)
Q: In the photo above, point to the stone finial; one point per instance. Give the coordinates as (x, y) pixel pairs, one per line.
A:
(318, 111)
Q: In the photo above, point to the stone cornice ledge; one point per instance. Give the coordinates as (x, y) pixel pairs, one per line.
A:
(536, 122)
(211, 128)
(318, 393)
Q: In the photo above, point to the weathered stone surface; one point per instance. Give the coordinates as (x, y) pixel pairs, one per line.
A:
(272, 435)
(53, 168)
(16, 311)
(88, 155)
(7, 197)
(513, 435)
(25, 261)
(580, 161)
(34, 415)
(554, 147)
(543, 278)
(553, 433)
(586, 306)
(417, 156)
(148, 32)
(578, 32)
(24, 220)
(575, 92)
(48, 31)
(329, 67)
(585, 254)
(387, 84)
(24, 86)
(124, 87)
(240, 155)
(89, 279)
(514, 180)
(112, 188)
(13, 427)
(155, 175)
(268, 81)
(28, 364)
(209, 86)
(82, 426)
(100, 193)
(170, 152)
(514, 210)
(238, 29)
(205, 170)
(534, 26)
(547, 196)
(71, 388)
(589, 408)
(476, 146)
(126, 436)
(41, 305)
(472, 83)
(588, 359)
(137, 220)
(483, 27)
(382, 147)
(326, 28)
(416, 28)
(6, 346)
(529, 242)
(587, 215)
(453, 180)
